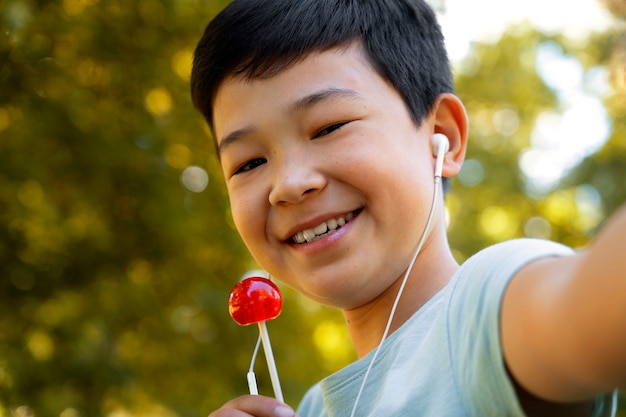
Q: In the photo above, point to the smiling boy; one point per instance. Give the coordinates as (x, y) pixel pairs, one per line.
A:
(325, 115)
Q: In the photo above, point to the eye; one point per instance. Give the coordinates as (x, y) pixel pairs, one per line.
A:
(250, 165)
(330, 129)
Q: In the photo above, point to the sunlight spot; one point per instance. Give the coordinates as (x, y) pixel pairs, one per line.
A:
(453, 205)
(40, 345)
(158, 101)
(306, 304)
(561, 139)
(537, 227)
(472, 173)
(195, 179)
(178, 156)
(559, 71)
(202, 329)
(120, 412)
(465, 22)
(540, 167)
(560, 208)
(181, 318)
(506, 121)
(596, 82)
(16, 15)
(255, 273)
(497, 223)
(23, 411)
(589, 205)
(181, 64)
(331, 341)
(69, 412)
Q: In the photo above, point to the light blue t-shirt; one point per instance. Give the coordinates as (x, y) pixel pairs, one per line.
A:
(446, 360)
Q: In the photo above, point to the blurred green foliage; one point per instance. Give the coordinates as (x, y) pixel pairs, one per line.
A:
(117, 252)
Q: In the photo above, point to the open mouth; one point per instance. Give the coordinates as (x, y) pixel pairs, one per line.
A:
(323, 229)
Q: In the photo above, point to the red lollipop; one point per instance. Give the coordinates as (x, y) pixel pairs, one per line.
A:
(253, 300)
(256, 300)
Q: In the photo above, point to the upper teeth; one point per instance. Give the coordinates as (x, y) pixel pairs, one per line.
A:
(315, 233)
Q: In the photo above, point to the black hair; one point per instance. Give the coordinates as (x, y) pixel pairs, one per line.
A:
(257, 39)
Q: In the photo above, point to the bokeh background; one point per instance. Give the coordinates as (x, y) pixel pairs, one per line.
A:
(117, 250)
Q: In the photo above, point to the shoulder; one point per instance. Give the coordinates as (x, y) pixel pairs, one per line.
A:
(473, 322)
(492, 268)
(485, 276)
(312, 404)
(516, 252)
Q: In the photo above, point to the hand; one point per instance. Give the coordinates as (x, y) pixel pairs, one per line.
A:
(254, 406)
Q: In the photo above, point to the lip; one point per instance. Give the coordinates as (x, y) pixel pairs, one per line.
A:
(310, 224)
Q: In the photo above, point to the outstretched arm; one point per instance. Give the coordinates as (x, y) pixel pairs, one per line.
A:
(564, 320)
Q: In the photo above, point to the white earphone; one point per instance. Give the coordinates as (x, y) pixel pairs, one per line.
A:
(441, 145)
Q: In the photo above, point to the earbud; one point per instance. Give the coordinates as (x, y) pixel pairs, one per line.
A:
(440, 147)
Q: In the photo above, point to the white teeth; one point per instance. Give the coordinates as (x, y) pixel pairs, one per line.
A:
(321, 229)
(310, 235)
(299, 237)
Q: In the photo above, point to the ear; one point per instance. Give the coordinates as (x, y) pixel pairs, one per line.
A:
(450, 118)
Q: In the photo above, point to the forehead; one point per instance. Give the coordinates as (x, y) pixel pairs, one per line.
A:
(239, 98)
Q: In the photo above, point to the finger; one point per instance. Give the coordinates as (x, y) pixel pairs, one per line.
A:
(254, 406)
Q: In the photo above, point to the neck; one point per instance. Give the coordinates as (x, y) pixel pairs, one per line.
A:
(432, 271)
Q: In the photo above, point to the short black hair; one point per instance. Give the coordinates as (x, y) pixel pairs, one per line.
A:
(259, 38)
(256, 39)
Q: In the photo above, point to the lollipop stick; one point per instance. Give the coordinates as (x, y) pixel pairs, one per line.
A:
(269, 356)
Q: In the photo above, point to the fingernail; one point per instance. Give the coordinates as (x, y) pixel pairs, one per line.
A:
(284, 411)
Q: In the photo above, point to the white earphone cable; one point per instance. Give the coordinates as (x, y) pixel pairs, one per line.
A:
(256, 351)
(252, 386)
(400, 291)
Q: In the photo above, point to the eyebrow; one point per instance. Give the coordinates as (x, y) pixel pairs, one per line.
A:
(303, 103)
(325, 95)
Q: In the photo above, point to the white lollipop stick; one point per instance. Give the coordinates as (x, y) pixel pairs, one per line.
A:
(269, 356)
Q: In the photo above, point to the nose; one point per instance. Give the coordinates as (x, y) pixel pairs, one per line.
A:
(295, 180)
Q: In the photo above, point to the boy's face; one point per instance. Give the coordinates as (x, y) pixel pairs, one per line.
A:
(323, 143)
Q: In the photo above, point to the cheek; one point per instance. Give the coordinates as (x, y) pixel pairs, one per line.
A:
(384, 168)
(248, 216)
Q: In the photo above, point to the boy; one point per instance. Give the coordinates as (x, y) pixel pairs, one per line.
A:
(327, 117)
